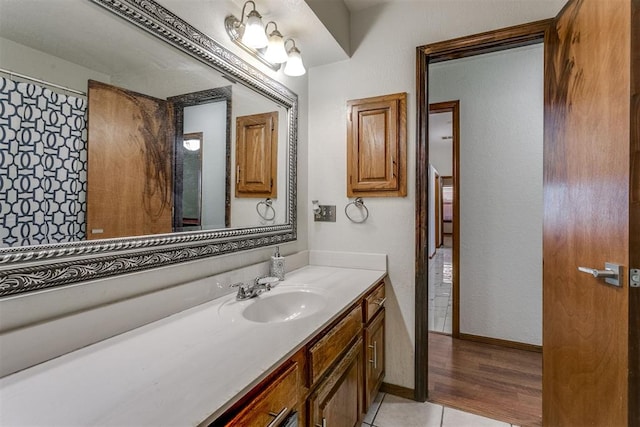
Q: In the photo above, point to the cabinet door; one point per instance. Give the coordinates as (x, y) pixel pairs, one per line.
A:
(257, 155)
(374, 351)
(377, 146)
(338, 400)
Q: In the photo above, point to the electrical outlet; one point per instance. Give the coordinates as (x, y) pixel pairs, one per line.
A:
(327, 214)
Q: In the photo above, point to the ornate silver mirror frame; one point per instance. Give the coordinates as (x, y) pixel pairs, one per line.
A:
(32, 268)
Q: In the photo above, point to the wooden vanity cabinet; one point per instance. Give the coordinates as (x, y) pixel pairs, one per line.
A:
(331, 381)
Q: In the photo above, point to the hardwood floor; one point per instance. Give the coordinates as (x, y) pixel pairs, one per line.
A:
(496, 382)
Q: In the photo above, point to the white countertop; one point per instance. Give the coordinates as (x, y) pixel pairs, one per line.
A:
(178, 371)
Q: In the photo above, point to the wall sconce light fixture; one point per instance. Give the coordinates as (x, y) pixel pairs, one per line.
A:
(269, 48)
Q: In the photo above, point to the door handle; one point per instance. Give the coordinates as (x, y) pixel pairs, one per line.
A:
(611, 273)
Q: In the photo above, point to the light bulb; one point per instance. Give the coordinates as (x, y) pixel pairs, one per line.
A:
(276, 52)
(254, 35)
(294, 65)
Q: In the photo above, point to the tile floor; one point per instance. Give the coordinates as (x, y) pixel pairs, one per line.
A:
(440, 292)
(392, 411)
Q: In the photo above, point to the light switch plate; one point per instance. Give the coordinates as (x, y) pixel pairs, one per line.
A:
(327, 214)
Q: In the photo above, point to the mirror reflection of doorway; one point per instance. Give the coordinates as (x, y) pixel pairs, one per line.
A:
(192, 146)
(443, 312)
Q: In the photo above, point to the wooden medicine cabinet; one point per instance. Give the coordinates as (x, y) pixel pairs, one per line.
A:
(377, 146)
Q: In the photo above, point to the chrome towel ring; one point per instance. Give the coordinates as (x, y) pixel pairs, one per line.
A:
(268, 206)
(359, 204)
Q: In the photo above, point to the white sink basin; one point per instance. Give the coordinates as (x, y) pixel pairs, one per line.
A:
(283, 306)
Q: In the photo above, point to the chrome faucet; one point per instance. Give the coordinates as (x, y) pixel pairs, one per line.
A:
(247, 291)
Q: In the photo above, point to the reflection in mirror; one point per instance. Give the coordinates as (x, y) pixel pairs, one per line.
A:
(74, 209)
(142, 47)
(205, 116)
(191, 150)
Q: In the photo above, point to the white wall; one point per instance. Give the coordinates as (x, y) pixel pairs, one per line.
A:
(384, 39)
(211, 120)
(501, 137)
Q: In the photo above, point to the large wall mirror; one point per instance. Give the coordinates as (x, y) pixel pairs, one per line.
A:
(136, 166)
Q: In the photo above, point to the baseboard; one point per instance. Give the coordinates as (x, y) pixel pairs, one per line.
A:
(501, 342)
(396, 390)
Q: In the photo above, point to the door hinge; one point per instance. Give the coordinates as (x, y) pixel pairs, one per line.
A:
(634, 277)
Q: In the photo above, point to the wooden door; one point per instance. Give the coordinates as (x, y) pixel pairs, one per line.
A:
(257, 155)
(587, 189)
(129, 179)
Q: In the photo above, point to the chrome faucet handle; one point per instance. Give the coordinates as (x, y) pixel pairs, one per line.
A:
(242, 290)
(258, 283)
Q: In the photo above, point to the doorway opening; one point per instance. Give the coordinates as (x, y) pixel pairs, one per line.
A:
(520, 36)
(444, 130)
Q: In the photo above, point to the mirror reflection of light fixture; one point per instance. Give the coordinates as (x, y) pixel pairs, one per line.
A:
(191, 144)
(269, 48)
(294, 65)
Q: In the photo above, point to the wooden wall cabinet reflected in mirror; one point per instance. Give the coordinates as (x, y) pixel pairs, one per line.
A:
(257, 155)
(377, 146)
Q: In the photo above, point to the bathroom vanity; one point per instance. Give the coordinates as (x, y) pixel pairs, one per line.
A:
(313, 344)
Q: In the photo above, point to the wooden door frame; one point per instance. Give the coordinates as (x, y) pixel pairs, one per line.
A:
(492, 41)
(454, 108)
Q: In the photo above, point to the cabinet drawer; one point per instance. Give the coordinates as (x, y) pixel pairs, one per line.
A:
(272, 405)
(323, 353)
(374, 302)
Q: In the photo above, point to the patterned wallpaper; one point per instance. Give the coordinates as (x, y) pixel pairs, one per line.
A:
(43, 165)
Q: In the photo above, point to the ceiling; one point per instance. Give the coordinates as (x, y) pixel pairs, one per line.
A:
(100, 47)
(356, 5)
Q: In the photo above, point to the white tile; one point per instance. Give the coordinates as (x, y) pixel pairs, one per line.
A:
(398, 412)
(455, 418)
(373, 409)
